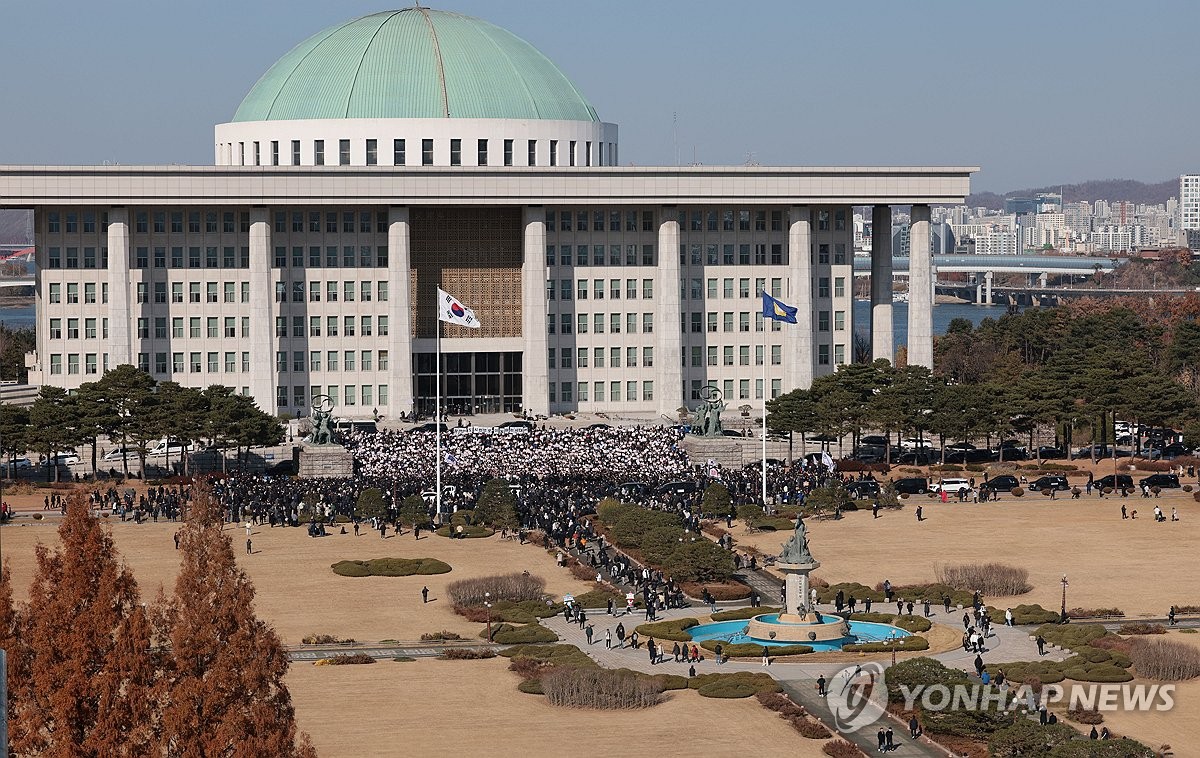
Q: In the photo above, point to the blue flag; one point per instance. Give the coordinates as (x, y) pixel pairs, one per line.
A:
(778, 311)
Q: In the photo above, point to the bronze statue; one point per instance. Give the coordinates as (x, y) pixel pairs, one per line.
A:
(322, 421)
(707, 420)
(795, 550)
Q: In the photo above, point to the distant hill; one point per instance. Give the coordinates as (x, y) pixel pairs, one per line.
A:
(16, 227)
(1099, 189)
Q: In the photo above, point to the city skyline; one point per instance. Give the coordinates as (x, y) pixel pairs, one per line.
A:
(710, 101)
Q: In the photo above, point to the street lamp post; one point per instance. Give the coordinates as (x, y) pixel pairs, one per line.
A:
(892, 639)
(1063, 617)
(487, 601)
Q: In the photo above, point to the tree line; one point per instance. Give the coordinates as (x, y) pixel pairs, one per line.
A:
(131, 409)
(1071, 369)
(95, 672)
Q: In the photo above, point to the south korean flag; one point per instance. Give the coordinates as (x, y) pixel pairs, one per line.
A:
(452, 311)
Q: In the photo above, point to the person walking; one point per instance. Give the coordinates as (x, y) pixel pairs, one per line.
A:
(1008, 617)
(249, 547)
(621, 635)
(1171, 616)
(424, 594)
(652, 650)
(719, 649)
(766, 656)
(675, 652)
(176, 540)
(588, 630)
(881, 736)
(1124, 512)
(608, 639)
(888, 745)
(1041, 644)
(821, 685)
(920, 514)
(979, 665)
(661, 653)
(914, 727)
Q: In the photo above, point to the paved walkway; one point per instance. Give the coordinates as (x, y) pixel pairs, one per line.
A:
(316, 653)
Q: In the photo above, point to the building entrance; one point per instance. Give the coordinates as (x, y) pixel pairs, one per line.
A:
(471, 383)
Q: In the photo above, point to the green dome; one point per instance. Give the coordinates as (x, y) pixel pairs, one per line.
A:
(414, 63)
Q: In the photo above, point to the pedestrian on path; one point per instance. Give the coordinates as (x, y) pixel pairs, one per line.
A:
(691, 671)
(176, 540)
(887, 740)
(766, 656)
(920, 514)
(1008, 617)
(978, 665)
(249, 547)
(821, 685)
(718, 652)
(1171, 616)
(588, 630)
(1041, 644)
(652, 650)
(675, 651)
(661, 653)
(914, 727)
(608, 639)
(881, 736)
(424, 594)
(621, 635)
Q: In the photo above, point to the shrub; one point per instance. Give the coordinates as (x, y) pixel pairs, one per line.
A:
(370, 504)
(1187, 609)
(404, 659)
(597, 688)
(1165, 659)
(1026, 671)
(919, 672)
(736, 614)
(1085, 716)
(813, 730)
(700, 561)
(598, 598)
(469, 531)
(465, 654)
(842, 749)
(523, 634)
(632, 522)
(440, 636)
(1118, 748)
(1094, 613)
(607, 509)
(780, 703)
(756, 681)
(674, 629)
(773, 524)
(730, 590)
(1028, 738)
(991, 578)
(556, 655)
(1097, 672)
(659, 543)
(1142, 628)
(1024, 614)
(348, 660)
(391, 567)
(497, 506)
(901, 645)
(531, 686)
(524, 612)
(716, 500)
(514, 587)
(876, 618)
(753, 649)
(1016, 492)
(1071, 636)
(326, 639)
(913, 623)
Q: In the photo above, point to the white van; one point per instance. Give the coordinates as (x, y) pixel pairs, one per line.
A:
(128, 453)
(951, 486)
(173, 448)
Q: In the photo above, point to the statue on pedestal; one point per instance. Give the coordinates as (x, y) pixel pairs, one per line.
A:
(322, 421)
(795, 550)
(707, 420)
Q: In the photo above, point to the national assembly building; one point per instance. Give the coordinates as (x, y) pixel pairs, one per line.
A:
(406, 151)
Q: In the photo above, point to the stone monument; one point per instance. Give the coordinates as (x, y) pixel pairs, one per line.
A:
(319, 454)
(707, 420)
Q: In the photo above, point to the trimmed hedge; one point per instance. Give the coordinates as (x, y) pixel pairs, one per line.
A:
(1023, 671)
(1024, 615)
(737, 614)
(469, 531)
(912, 624)
(391, 567)
(525, 634)
(902, 645)
(741, 684)
(674, 629)
(753, 649)
(555, 655)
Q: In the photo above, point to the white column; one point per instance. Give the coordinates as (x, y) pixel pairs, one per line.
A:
(535, 379)
(881, 283)
(920, 290)
(987, 289)
(800, 364)
(120, 351)
(400, 374)
(1043, 280)
(668, 376)
(263, 310)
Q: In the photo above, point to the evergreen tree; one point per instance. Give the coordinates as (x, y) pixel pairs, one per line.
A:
(497, 506)
(224, 693)
(89, 688)
(413, 512)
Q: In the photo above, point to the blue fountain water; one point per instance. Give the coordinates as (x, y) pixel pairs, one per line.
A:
(734, 632)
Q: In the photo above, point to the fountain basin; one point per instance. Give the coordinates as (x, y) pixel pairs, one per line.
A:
(831, 632)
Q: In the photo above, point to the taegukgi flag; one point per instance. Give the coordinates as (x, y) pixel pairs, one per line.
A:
(452, 311)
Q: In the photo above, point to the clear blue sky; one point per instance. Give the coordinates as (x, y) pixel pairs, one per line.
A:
(1035, 93)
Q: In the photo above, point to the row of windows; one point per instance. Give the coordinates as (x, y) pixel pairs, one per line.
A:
(196, 257)
(579, 357)
(333, 222)
(348, 360)
(602, 153)
(569, 322)
(57, 221)
(351, 394)
(700, 255)
(72, 333)
(598, 289)
(367, 326)
(743, 388)
(364, 256)
(197, 292)
(90, 365)
(89, 259)
(567, 391)
(55, 292)
(599, 220)
(711, 355)
(364, 291)
(594, 255)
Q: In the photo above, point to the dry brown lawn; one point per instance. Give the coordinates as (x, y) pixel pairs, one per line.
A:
(1138, 565)
(297, 591)
(472, 708)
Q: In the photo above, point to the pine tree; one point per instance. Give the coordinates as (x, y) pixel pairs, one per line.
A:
(224, 694)
(10, 625)
(89, 688)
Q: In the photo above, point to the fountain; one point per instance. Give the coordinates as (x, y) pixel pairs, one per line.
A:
(798, 623)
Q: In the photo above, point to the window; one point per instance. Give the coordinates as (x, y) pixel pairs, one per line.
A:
(426, 152)
(823, 286)
(231, 327)
(73, 329)
(194, 327)
(383, 326)
(194, 363)
(839, 286)
(508, 152)
(348, 292)
(194, 292)
(712, 355)
(647, 289)
(455, 152)
(823, 350)
(56, 363)
(331, 360)
(727, 321)
(176, 363)
(553, 152)
(348, 326)
(73, 293)
(727, 355)
(176, 327)
(295, 152)
(647, 323)
(366, 326)
(211, 327)
(73, 363)
(274, 152)
(631, 356)
(839, 354)
(348, 360)
(381, 291)
(839, 321)
(89, 292)
(482, 153)
(319, 152)
(55, 293)
(364, 291)
(331, 326)
(776, 355)
(372, 160)
(160, 364)
(383, 360)
(397, 152)
(531, 159)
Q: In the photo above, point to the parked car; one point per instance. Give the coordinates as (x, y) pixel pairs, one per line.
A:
(1162, 481)
(868, 455)
(969, 456)
(1051, 453)
(951, 486)
(1003, 483)
(863, 489)
(282, 468)
(960, 446)
(17, 464)
(916, 458)
(874, 439)
(128, 453)
(677, 487)
(912, 485)
(915, 444)
(1175, 449)
(522, 424)
(1050, 482)
(1009, 454)
(431, 426)
(65, 459)
(1116, 482)
(172, 448)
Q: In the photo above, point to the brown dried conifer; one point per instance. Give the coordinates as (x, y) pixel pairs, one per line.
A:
(89, 688)
(224, 692)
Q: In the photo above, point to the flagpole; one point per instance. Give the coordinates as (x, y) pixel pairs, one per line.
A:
(437, 409)
(764, 418)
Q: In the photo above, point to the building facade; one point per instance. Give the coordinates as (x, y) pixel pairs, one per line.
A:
(416, 149)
